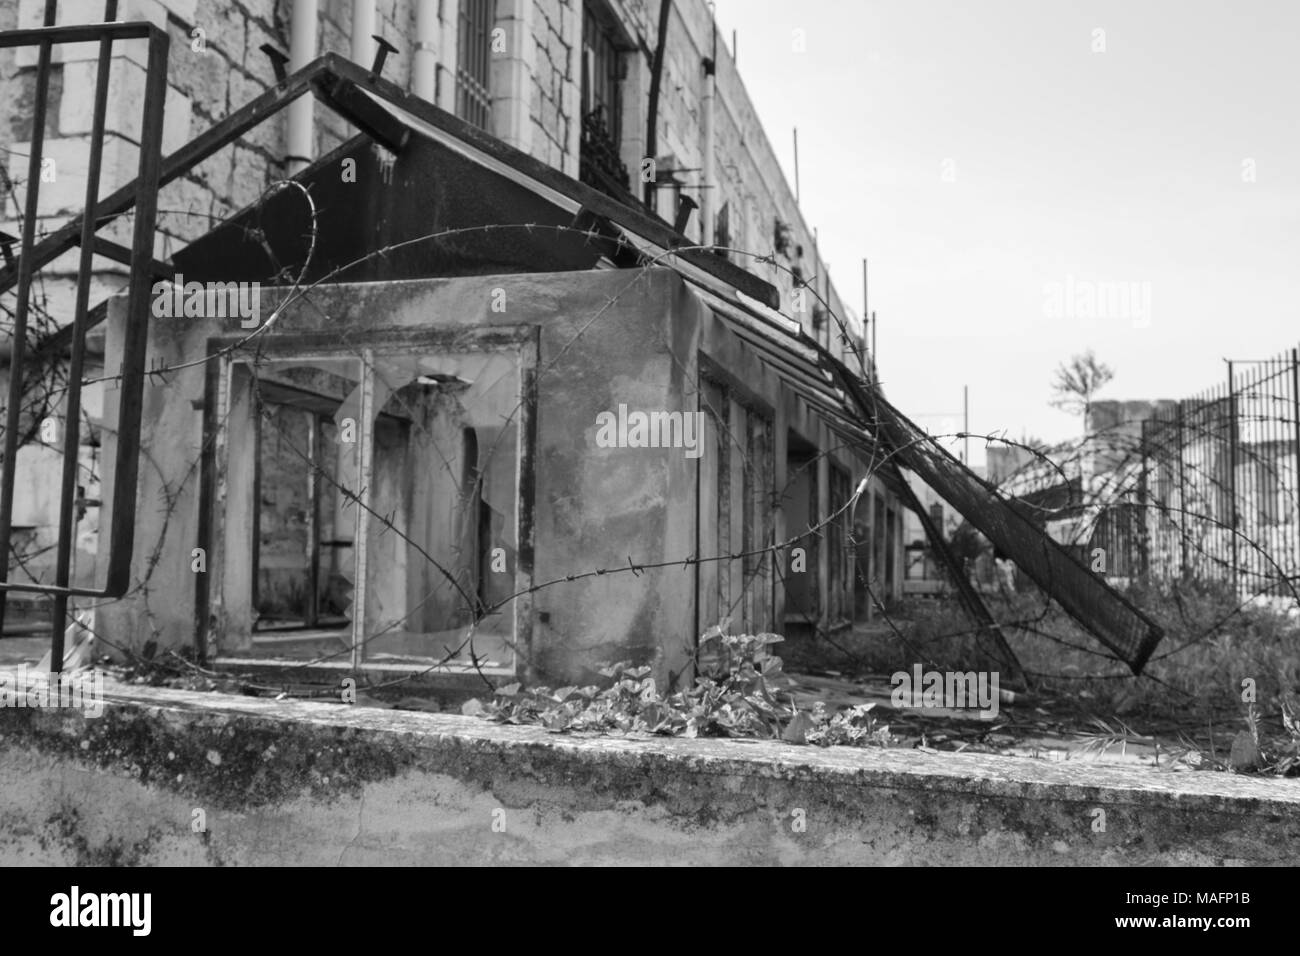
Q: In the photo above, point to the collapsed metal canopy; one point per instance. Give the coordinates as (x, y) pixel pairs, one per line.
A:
(1085, 596)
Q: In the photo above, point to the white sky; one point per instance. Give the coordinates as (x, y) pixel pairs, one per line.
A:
(1124, 166)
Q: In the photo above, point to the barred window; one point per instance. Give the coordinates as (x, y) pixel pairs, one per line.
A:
(474, 61)
(600, 164)
(601, 72)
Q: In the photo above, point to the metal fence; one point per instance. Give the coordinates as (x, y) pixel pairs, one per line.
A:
(27, 405)
(1219, 485)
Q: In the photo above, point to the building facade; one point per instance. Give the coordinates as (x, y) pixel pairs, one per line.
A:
(492, 386)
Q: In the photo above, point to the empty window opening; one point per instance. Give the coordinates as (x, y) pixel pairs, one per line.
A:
(735, 511)
(799, 497)
(370, 510)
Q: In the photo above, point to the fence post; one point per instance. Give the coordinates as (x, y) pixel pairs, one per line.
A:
(1181, 523)
(1144, 506)
(1295, 407)
(1232, 475)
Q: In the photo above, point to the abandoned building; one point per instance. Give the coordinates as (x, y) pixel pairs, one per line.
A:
(371, 399)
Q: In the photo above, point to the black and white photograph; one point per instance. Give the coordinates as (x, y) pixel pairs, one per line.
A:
(673, 433)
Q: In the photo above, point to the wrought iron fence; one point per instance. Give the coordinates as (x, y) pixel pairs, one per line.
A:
(28, 358)
(1209, 487)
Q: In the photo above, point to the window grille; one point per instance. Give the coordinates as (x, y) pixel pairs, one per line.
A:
(600, 164)
(474, 62)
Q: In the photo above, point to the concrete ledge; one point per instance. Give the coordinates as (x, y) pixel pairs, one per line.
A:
(294, 782)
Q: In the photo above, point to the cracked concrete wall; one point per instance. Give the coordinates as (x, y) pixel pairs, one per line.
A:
(299, 783)
(589, 501)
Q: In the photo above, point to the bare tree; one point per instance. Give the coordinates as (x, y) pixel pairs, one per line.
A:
(1033, 442)
(1077, 381)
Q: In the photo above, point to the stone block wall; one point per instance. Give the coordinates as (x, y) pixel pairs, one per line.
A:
(216, 66)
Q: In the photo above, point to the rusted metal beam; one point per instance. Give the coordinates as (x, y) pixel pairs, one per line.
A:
(1086, 597)
(23, 272)
(88, 33)
(120, 253)
(76, 362)
(976, 610)
(344, 98)
(970, 599)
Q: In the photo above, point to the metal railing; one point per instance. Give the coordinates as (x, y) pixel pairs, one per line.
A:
(599, 163)
(1220, 482)
(20, 274)
(1206, 489)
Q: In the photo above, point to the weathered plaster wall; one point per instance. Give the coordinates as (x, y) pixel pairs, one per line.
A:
(605, 339)
(296, 783)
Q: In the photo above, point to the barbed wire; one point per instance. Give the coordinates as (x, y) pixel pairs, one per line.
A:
(1116, 487)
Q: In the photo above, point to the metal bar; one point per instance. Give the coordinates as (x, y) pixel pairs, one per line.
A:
(1277, 446)
(120, 253)
(259, 413)
(362, 496)
(1256, 516)
(88, 33)
(72, 408)
(979, 614)
(61, 339)
(1233, 440)
(1106, 613)
(966, 593)
(136, 338)
(311, 613)
(344, 98)
(1289, 535)
(526, 497)
(1182, 493)
(207, 479)
(25, 269)
(1144, 501)
(652, 113)
(1269, 479)
(1295, 411)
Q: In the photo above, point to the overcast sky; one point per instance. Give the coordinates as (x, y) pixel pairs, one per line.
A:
(986, 159)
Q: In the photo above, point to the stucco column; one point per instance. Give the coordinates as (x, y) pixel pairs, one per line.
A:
(449, 55)
(424, 60)
(302, 50)
(571, 97)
